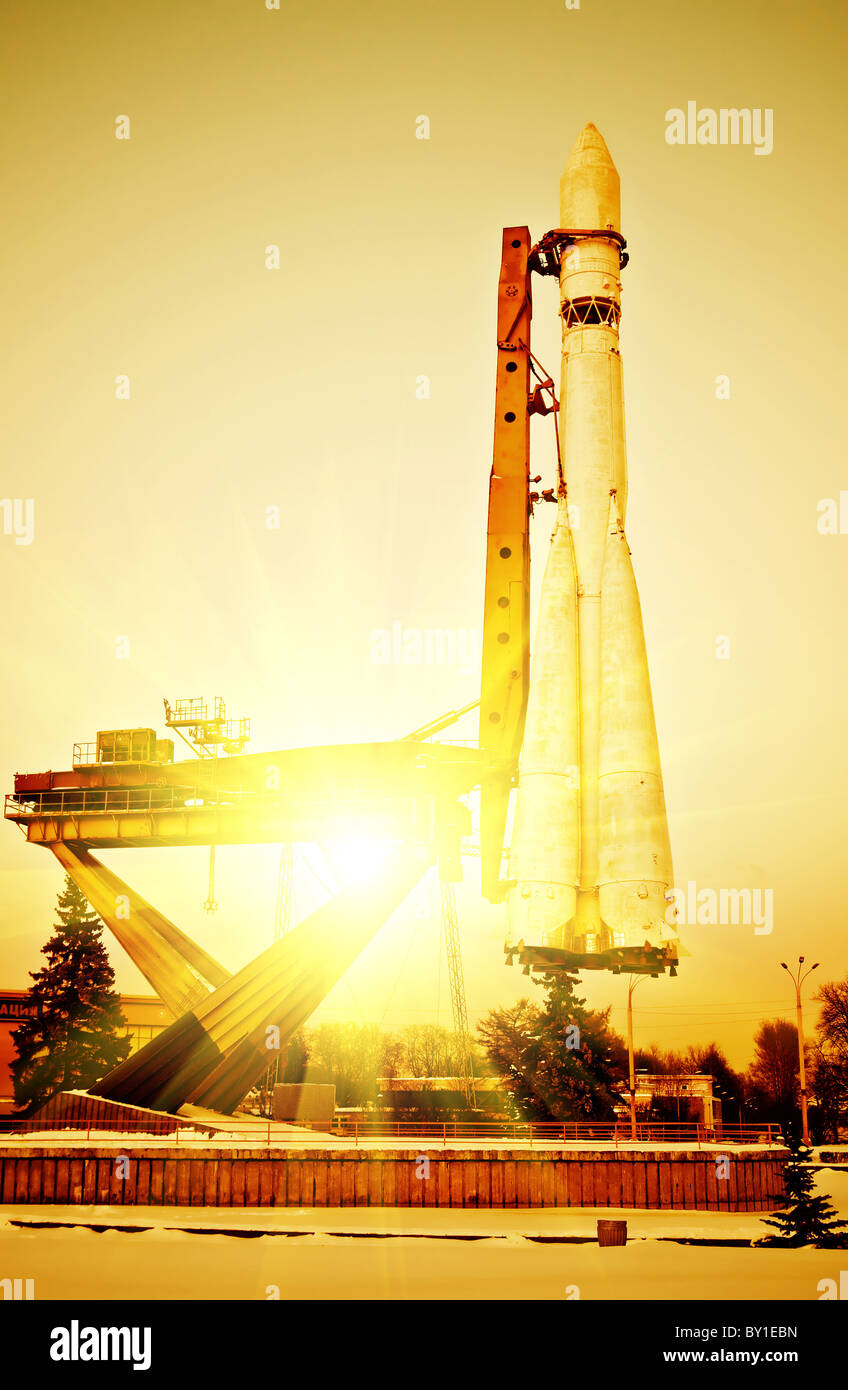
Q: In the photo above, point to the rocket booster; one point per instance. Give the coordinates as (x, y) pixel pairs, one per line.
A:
(590, 861)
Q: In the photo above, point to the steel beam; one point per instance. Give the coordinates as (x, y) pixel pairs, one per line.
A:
(179, 970)
(214, 1053)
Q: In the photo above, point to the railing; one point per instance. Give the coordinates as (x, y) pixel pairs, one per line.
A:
(137, 752)
(72, 801)
(144, 801)
(174, 1130)
(99, 800)
(452, 742)
(194, 711)
(85, 754)
(582, 1132)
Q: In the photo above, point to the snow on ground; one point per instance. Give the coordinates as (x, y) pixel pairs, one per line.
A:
(833, 1183)
(547, 1223)
(53, 1138)
(302, 1138)
(80, 1264)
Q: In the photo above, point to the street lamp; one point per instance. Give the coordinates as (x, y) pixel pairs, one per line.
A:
(634, 981)
(798, 979)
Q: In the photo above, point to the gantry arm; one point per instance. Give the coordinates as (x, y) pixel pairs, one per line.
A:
(506, 611)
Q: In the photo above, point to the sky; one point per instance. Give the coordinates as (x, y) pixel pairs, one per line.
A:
(151, 570)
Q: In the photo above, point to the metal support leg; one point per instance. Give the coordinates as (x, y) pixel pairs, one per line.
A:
(179, 970)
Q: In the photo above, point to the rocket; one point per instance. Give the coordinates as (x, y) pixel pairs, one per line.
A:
(590, 860)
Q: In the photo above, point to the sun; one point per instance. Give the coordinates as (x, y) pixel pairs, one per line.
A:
(356, 860)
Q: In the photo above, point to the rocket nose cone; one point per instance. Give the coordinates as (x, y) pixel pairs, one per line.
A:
(589, 190)
(589, 145)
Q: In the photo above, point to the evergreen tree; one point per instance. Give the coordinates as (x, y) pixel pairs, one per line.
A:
(72, 1040)
(293, 1065)
(562, 1061)
(806, 1219)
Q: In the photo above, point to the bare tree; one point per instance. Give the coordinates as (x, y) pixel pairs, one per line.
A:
(830, 1054)
(430, 1050)
(351, 1056)
(774, 1070)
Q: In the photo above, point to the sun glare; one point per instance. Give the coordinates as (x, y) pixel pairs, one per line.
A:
(356, 860)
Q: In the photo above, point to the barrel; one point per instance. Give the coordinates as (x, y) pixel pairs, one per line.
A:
(612, 1232)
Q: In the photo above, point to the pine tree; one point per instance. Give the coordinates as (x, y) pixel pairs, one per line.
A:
(806, 1219)
(562, 1061)
(72, 1040)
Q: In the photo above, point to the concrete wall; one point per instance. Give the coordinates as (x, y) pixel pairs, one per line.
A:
(174, 1176)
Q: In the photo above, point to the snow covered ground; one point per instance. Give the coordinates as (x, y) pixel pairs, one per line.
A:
(551, 1224)
(304, 1138)
(77, 1264)
(403, 1253)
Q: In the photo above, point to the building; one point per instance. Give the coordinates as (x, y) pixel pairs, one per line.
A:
(145, 1014)
(687, 1097)
(146, 1017)
(14, 1008)
(438, 1095)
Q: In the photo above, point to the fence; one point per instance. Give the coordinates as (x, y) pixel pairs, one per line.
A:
(559, 1132)
(274, 1134)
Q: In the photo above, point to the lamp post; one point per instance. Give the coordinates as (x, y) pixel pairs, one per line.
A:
(634, 981)
(798, 979)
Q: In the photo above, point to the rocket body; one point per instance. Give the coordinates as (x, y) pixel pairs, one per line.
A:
(590, 860)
